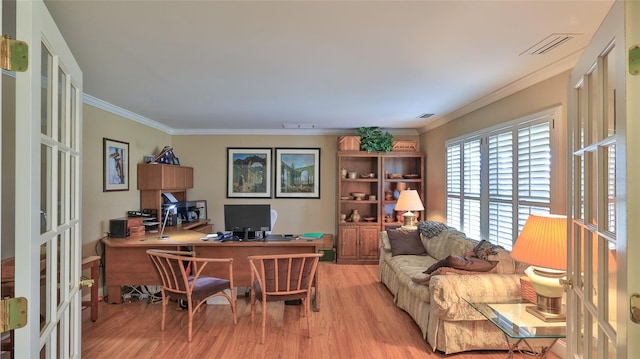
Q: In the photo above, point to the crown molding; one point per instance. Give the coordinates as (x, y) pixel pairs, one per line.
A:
(106, 106)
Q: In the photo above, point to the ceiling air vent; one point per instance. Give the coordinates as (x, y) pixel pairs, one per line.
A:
(425, 115)
(548, 43)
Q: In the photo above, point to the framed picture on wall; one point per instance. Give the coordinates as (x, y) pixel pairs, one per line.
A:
(249, 172)
(297, 172)
(115, 165)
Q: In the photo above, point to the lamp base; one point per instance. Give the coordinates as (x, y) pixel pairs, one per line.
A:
(544, 316)
(409, 220)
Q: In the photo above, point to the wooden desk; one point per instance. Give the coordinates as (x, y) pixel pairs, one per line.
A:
(126, 261)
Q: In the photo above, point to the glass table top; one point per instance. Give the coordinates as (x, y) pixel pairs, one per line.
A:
(514, 320)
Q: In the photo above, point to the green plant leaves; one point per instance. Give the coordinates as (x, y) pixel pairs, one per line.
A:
(374, 140)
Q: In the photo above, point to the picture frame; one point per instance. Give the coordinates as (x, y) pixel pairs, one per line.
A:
(249, 172)
(297, 173)
(115, 165)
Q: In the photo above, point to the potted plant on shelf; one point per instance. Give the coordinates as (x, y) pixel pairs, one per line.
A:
(372, 139)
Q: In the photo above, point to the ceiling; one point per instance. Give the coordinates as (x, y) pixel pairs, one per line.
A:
(209, 67)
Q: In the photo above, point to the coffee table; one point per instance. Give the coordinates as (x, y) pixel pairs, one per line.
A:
(520, 327)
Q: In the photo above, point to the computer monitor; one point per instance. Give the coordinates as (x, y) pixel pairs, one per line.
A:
(244, 220)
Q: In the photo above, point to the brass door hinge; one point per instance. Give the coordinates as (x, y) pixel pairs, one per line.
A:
(14, 313)
(14, 54)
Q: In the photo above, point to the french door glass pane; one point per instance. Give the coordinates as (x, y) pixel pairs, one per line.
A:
(610, 156)
(73, 119)
(610, 93)
(72, 187)
(47, 69)
(62, 109)
(595, 102)
(46, 188)
(62, 176)
(44, 282)
(591, 188)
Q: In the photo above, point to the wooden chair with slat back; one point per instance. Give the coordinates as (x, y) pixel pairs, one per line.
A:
(282, 277)
(180, 273)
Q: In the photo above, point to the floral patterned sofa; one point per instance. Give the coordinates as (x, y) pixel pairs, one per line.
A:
(458, 268)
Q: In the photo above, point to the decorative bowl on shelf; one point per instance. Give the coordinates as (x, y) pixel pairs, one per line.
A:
(411, 176)
(369, 219)
(345, 197)
(358, 196)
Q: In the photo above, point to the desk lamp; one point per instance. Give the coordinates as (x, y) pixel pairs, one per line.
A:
(409, 200)
(543, 244)
(164, 224)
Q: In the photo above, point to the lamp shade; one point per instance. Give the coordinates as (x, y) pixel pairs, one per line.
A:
(409, 200)
(543, 242)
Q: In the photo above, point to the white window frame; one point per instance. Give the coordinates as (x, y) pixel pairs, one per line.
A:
(482, 223)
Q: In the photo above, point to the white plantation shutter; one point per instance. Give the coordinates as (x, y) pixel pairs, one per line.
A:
(454, 183)
(534, 163)
(501, 183)
(516, 165)
(472, 187)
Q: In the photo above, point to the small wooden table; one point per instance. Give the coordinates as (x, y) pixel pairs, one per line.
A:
(126, 261)
(93, 263)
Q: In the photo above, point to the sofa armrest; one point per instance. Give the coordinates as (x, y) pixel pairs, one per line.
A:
(384, 244)
(448, 293)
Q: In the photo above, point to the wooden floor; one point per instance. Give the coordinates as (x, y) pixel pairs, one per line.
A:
(357, 319)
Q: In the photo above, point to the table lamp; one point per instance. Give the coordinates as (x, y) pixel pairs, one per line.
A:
(543, 244)
(164, 224)
(409, 200)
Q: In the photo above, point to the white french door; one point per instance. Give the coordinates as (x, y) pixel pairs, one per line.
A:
(603, 195)
(47, 187)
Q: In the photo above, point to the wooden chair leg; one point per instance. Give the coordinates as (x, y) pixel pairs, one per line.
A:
(165, 301)
(264, 320)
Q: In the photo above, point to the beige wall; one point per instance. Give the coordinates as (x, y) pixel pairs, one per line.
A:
(208, 156)
(99, 207)
(542, 96)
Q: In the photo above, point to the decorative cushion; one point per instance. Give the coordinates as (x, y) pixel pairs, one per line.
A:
(432, 228)
(448, 242)
(484, 249)
(405, 242)
(463, 263)
(494, 253)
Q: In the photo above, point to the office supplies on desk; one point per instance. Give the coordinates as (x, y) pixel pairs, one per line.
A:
(278, 238)
(311, 235)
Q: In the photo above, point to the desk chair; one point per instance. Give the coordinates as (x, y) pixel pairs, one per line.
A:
(180, 275)
(282, 277)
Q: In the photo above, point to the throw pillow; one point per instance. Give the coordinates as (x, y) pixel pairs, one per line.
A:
(484, 249)
(405, 242)
(432, 228)
(463, 263)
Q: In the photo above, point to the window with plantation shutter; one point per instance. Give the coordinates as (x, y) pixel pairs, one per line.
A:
(496, 178)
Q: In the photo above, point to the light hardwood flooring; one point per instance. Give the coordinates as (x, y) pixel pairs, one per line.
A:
(357, 319)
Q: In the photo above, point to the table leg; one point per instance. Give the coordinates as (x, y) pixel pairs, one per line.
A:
(114, 294)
